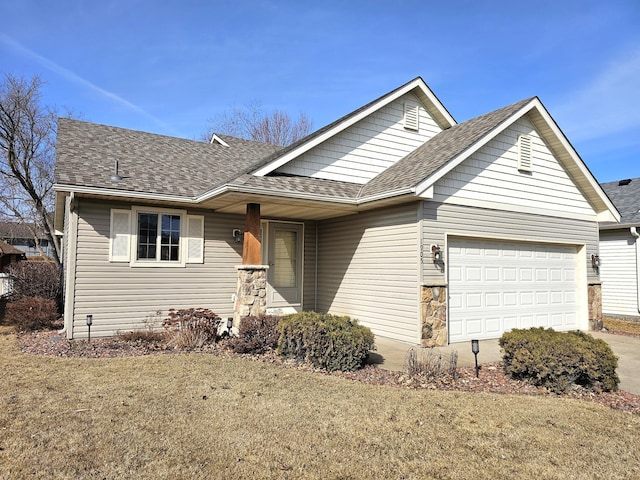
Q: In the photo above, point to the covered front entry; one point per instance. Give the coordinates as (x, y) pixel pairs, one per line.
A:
(495, 286)
(283, 250)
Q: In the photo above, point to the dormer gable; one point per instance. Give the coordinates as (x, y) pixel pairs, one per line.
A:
(364, 143)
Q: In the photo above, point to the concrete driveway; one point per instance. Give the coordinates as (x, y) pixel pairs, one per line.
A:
(391, 355)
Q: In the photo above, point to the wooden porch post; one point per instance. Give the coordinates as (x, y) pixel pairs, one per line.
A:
(252, 248)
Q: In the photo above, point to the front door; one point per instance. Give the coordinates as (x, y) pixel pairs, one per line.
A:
(284, 256)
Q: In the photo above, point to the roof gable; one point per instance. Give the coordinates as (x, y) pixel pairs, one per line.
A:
(417, 86)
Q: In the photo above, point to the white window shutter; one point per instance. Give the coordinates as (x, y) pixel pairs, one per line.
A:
(411, 116)
(195, 239)
(524, 153)
(120, 236)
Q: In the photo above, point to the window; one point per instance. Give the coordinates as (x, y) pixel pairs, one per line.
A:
(157, 237)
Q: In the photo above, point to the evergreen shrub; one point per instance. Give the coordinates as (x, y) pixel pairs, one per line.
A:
(325, 341)
(558, 360)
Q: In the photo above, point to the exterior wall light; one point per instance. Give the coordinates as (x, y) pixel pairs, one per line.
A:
(437, 254)
(237, 235)
(595, 262)
(475, 349)
(89, 323)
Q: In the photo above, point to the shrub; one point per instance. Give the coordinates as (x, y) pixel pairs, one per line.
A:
(558, 360)
(35, 279)
(192, 327)
(256, 335)
(31, 313)
(325, 341)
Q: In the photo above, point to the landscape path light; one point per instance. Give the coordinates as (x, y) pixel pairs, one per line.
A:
(89, 322)
(475, 348)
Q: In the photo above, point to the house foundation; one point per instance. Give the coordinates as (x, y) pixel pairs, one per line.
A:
(595, 306)
(251, 292)
(433, 315)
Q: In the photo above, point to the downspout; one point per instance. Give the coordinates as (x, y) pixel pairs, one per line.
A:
(315, 281)
(635, 233)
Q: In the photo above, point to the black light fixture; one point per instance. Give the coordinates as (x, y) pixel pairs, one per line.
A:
(229, 325)
(595, 262)
(475, 348)
(237, 235)
(437, 254)
(89, 323)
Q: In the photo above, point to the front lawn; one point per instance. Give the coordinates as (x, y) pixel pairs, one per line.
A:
(208, 416)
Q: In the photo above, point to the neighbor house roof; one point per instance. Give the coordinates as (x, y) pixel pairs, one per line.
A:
(6, 249)
(13, 230)
(625, 195)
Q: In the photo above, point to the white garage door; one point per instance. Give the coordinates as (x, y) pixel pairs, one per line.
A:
(496, 286)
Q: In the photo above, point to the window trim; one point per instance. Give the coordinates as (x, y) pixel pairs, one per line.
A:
(182, 253)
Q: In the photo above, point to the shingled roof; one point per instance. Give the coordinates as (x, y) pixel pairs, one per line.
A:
(437, 152)
(157, 164)
(625, 195)
(148, 163)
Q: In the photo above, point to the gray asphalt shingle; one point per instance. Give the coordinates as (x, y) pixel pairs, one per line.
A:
(626, 199)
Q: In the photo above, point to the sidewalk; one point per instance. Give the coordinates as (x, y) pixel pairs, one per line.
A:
(391, 355)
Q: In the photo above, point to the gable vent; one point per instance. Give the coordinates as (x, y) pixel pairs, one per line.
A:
(524, 153)
(411, 116)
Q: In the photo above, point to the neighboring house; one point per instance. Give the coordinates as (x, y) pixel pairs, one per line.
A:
(620, 251)
(8, 256)
(20, 236)
(371, 216)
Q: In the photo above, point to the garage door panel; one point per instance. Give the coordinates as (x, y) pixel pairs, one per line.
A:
(497, 286)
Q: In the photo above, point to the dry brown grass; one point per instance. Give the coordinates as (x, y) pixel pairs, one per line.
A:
(205, 416)
(621, 326)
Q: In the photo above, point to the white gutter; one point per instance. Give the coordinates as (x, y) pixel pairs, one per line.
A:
(635, 233)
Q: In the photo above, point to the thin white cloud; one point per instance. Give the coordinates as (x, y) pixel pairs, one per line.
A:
(607, 105)
(73, 77)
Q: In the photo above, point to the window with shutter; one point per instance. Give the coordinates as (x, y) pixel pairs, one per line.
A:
(156, 237)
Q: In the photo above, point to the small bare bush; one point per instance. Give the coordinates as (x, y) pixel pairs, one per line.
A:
(192, 327)
(256, 335)
(426, 363)
(35, 279)
(31, 313)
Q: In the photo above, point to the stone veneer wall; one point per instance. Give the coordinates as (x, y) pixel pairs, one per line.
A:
(433, 315)
(251, 292)
(595, 306)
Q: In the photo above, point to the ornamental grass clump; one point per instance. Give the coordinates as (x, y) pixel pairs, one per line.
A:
(192, 327)
(325, 341)
(557, 360)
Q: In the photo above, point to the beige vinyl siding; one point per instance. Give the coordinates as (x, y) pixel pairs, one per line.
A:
(365, 149)
(309, 280)
(490, 178)
(121, 297)
(618, 273)
(368, 269)
(441, 220)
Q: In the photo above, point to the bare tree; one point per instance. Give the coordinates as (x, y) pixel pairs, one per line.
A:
(27, 158)
(251, 123)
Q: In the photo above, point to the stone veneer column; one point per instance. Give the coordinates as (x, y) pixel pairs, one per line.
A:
(433, 315)
(251, 292)
(595, 306)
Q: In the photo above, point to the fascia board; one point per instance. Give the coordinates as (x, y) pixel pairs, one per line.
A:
(417, 83)
(121, 193)
(430, 181)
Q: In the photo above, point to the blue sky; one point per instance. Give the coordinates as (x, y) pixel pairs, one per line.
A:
(170, 66)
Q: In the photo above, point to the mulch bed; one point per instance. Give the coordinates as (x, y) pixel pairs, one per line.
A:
(492, 378)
